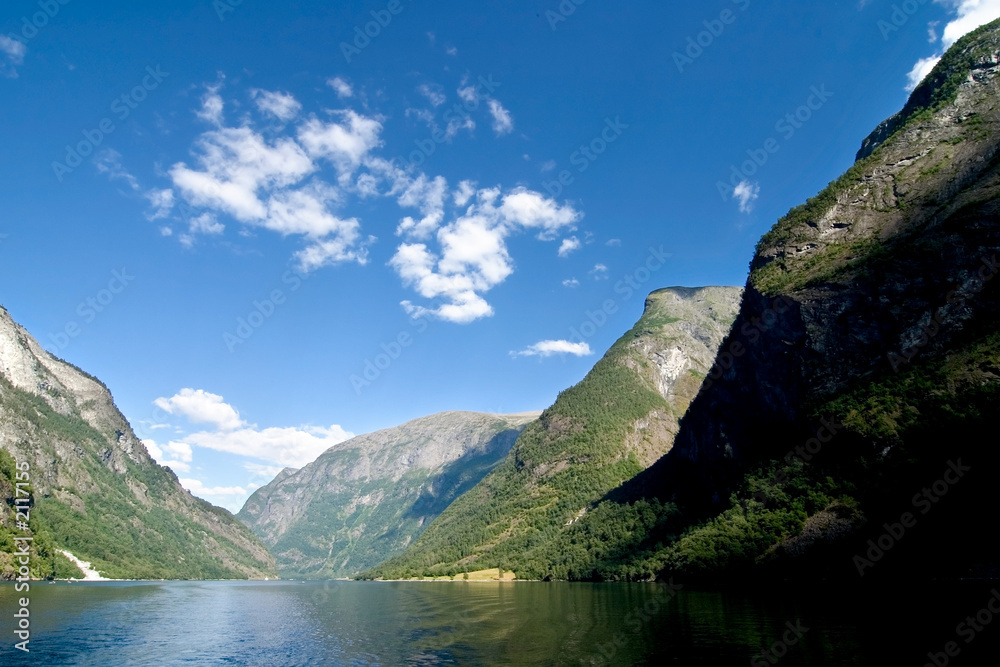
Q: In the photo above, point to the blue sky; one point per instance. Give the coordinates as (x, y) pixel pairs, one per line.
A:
(266, 230)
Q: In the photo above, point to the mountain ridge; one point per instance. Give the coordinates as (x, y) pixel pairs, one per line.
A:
(365, 499)
(96, 490)
(619, 419)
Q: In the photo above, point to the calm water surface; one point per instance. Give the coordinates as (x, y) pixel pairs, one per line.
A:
(374, 623)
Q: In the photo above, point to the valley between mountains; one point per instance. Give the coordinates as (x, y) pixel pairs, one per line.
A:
(769, 432)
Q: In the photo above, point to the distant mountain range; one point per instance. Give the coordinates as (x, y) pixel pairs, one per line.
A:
(620, 419)
(365, 500)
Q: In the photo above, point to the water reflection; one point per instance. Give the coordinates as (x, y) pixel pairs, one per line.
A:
(476, 623)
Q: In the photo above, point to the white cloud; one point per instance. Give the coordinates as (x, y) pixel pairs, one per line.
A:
(344, 144)
(747, 193)
(473, 258)
(201, 407)
(237, 163)
(613, 243)
(262, 470)
(463, 195)
(305, 211)
(162, 203)
(449, 257)
(282, 106)
(211, 106)
(293, 447)
(109, 162)
(451, 51)
(548, 165)
(429, 196)
(342, 88)
(327, 252)
(548, 348)
(571, 282)
(535, 211)
(970, 14)
(920, 70)
(13, 52)
(206, 224)
(469, 95)
(600, 272)
(932, 35)
(433, 93)
(260, 183)
(198, 488)
(569, 246)
(458, 123)
(503, 123)
(174, 455)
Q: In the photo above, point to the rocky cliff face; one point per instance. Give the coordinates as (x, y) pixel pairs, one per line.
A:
(95, 486)
(367, 499)
(863, 367)
(618, 420)
(888, 266)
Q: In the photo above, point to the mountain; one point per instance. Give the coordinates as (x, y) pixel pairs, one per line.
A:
(365, 500)
(620, 419)
(95, 490)
(868, 384)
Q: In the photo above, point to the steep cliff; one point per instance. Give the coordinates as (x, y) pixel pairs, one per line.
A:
(365, 500)
(599, 433)
(880, 269)
(95, 489)
(864, 357)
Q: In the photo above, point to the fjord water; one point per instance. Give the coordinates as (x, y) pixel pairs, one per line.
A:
(477, 623)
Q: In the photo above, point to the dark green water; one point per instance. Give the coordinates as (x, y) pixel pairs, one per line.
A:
(347, 623)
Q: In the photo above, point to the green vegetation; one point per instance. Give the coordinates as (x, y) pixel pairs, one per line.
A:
(898, 432)
(889, 445)
(99, 517)
(517, 509)
(539, 513)
(45, 562)
(327, 521)
(938, 90)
